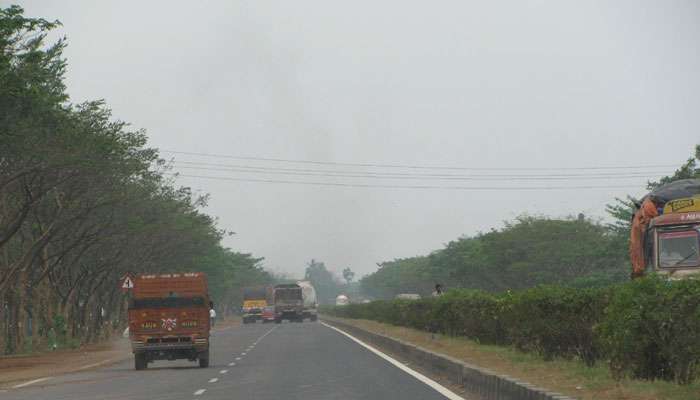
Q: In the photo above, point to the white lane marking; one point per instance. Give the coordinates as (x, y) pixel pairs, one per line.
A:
(223, 371)
(436, 386)
(213, 380)
(200, 391)
(21, 385)
(263, 336)
(94, 365)
(231, 364)
(244, 353)
(238, 358)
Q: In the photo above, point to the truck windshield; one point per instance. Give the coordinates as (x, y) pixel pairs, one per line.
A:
(288, 294)
(254, 293)
(167, 302)
(679, 249)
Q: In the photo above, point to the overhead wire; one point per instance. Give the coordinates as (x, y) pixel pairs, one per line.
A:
(362, 185)
(413, 166)
(427, 177)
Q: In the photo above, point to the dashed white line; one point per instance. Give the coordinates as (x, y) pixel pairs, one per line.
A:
(223, 371)
(266, 333)
(94, 365)
(244, 353)
(436, 386)
(21, 385)
(231, 364)
(199, 392)
(238, 358)
(213, 380)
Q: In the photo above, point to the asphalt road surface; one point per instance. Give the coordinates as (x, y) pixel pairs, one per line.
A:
(262, 361)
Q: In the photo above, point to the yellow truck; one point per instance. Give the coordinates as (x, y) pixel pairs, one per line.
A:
(255, 299)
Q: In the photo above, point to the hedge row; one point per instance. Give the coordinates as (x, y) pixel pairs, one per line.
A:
(645, 329)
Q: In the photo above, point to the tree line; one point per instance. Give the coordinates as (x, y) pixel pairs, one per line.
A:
(526, 252)
(83, 201)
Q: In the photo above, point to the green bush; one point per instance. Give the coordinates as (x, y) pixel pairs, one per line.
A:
(474, 314)
(647, 329)
(651, 330)
(557, 321)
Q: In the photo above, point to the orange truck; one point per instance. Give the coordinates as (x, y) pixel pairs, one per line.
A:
(169, 318)
(665, 234)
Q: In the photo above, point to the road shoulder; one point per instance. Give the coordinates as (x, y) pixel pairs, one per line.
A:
(19, 371)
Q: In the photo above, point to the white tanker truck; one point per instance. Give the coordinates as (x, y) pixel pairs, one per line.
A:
(342, 300)
(308, 293)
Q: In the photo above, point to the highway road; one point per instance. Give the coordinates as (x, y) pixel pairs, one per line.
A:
(263, 361)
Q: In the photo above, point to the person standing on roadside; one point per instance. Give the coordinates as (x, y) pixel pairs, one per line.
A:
(212, 314)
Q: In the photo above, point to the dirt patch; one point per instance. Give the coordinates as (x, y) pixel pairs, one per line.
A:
(568, 377)
(15, 369)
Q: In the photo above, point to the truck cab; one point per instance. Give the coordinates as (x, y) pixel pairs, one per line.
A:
(255, 299)
(289, 303)
(673, 247)
(169, 318)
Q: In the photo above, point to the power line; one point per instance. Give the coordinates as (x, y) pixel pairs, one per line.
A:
(253, 170)
(406, 166)
(235, 167)
(360, 185)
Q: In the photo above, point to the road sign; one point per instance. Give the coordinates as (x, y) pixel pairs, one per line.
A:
(127, 283)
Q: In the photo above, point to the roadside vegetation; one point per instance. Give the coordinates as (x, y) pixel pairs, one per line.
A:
(84, 201)
(553, 290)
(327, 284)
(526, 252)
(569, 377)
(648, 328)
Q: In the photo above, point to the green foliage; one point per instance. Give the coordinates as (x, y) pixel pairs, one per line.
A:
(623, 210)
(408, 275)
(651, 330)
(323, 281)
(557, 321)
(646, 329)
(348, 275)
(527, 252)
(84, 201)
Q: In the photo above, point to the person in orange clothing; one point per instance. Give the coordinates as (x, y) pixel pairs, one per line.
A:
(640, 221)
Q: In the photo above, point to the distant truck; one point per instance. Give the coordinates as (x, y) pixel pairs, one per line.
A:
(289, 303)
(255, 299)
(342, 300)
(169, 318)
(665, 234)
(308, 294)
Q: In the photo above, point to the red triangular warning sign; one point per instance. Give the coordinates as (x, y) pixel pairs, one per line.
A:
(128, 283)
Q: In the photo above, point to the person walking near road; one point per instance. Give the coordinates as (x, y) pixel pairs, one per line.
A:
(212, 314)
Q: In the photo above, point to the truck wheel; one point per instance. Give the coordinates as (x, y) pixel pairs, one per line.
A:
(140, 362)
(204, 360)
(314, 318)
(278, 320)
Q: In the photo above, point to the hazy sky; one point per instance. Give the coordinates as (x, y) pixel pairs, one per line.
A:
(490, 84)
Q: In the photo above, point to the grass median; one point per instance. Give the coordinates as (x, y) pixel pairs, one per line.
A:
(570, 377)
